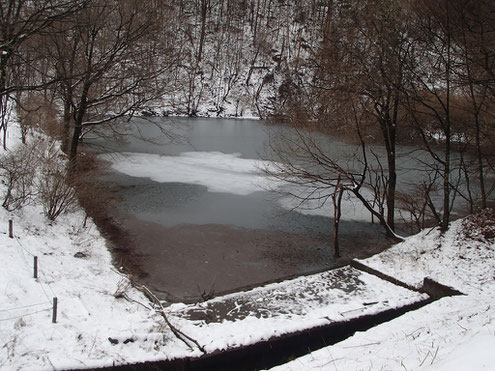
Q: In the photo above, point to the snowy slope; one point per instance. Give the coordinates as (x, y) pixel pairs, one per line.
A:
(454, 333)
(87, 286)
(88, 311)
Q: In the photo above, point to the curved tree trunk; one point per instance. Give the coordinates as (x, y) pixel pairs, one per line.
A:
(389, 231)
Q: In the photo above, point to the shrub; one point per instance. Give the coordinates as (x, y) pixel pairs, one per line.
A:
(18, 170)
(39, 172)
(56, 190)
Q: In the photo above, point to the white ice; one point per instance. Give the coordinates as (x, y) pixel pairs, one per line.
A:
(219, 172)
(230, 173)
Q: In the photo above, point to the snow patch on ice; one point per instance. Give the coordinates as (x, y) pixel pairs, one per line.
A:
(230, 173)
(219, 172)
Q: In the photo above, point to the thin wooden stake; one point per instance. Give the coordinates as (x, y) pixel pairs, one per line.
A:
(11, 228)
(54, 312)
(35, 274)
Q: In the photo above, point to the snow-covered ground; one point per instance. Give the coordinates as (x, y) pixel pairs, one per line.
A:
(87, 287)
(454, 333)
(95, 301)
(303, 303)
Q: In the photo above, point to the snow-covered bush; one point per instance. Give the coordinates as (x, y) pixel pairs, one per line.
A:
(17, 173)
(37, 172)
(480, 226)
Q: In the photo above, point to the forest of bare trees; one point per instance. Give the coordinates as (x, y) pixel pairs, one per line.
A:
(377, 73)
(389, 73)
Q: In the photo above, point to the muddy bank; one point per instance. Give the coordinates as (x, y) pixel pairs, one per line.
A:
(193, 262)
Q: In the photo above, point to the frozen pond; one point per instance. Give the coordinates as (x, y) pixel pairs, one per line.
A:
(199, 214)
(210, 173)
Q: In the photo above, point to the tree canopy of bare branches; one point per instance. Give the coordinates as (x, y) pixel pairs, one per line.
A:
(21, 23)
(390, 72)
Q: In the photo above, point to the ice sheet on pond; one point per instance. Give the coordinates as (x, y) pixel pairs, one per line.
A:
(219, 172)
(231, 174)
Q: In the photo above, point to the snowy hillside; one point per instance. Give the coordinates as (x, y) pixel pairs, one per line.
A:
(237, 58)
(96, 302)
(453, 333)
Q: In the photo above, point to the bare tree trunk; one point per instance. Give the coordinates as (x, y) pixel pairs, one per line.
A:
(337, 213)
(3, 100)
(381, 219)
(76, 135)
(481, 171)
(256, 15)
(66, 125)
(477, 128)
(204, 9)
(388, 128)
(447, 130)
(391, 187)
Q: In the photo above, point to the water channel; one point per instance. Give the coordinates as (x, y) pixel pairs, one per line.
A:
(199, 216)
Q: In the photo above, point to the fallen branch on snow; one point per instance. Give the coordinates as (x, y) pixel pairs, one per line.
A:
(178, 333)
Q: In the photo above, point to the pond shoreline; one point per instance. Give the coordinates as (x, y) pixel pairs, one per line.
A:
(234, 259)
(198, 225)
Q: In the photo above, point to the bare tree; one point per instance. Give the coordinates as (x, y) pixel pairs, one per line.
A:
(20, 22)
(317, 172)
(110, 63)
(474, 27)
(380, 55)
(359, 71)
(18, 170)
(442, 80)
(337, 214)
(56, 190)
